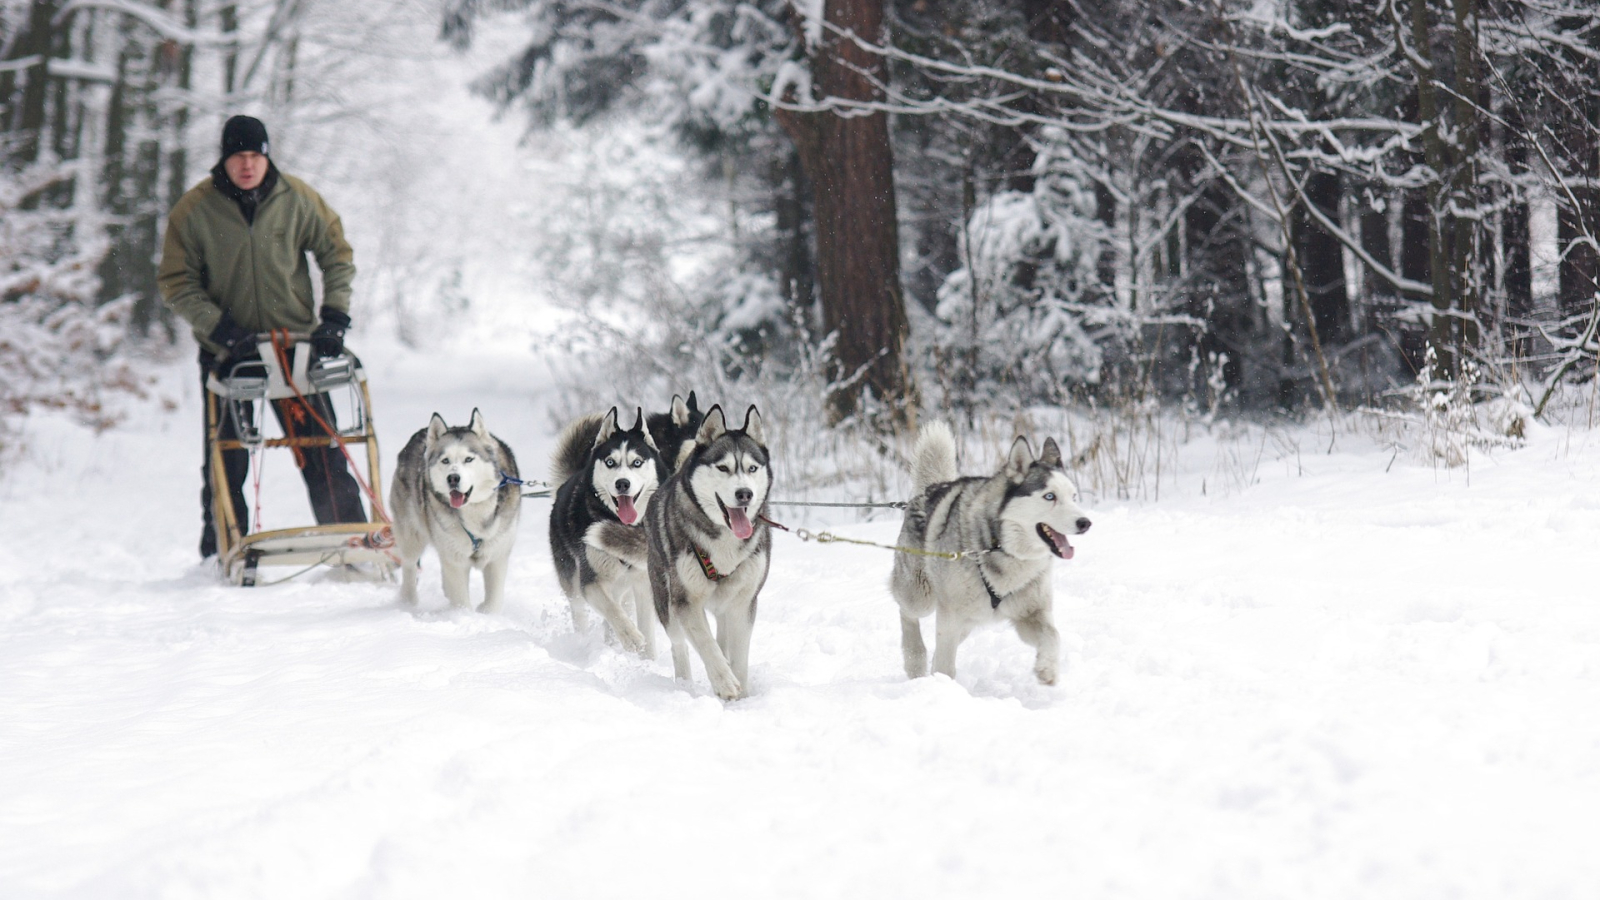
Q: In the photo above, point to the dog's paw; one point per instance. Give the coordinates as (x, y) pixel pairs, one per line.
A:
(630, 638)
(726, 685)
(1046, 672)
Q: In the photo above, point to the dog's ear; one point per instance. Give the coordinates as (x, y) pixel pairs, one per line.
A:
(1019, 459)
(752, 424)
(693, 405)
(436, 428)
(712, 427)
(638, 425)
(1050, 456)
(608, 427)
(681, 411)
(477, 426)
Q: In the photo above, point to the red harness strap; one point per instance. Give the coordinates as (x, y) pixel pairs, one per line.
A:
(705, 565)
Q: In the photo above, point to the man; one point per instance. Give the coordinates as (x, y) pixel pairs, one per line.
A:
(234, 265)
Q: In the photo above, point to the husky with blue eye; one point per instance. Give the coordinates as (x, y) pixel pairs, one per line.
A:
(456, 489)
(1008, 529)
(607, 477)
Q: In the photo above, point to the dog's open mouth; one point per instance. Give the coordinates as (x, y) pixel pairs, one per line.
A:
(738, 519)
(626, 511)
(1056, 540)
(458, 499)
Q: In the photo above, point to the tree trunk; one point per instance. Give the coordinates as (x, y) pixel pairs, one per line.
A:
(1321, 259)
(849, 162)
(1516, 239)
(1416, 264)
(24, 115)
(1466, 230)
(1437, 155)
(794, 225)
(1577, 227)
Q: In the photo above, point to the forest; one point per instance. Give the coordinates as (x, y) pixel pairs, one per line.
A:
(1260, 208)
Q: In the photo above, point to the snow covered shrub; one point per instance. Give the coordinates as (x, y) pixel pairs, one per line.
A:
(65, 356)
(1017, 318)
(58, 350)
(1452, 417)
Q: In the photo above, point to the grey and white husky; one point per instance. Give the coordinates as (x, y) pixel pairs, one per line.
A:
(709, 548)
(607, 477)
(1009, 527)
(457, 489)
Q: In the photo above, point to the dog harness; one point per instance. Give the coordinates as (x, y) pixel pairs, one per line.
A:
(705, 565)
(477, 542)
(994, 598)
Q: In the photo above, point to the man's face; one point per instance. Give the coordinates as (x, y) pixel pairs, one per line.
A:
(245, 169)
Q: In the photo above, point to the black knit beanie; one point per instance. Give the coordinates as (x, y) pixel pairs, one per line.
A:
(243, 133)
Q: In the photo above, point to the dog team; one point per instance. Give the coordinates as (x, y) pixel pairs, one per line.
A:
(666, 521)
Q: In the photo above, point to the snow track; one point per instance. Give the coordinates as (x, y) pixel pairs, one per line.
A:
(1339, 683)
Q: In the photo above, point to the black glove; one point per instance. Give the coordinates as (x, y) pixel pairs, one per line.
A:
(328, 339)
(232, 338)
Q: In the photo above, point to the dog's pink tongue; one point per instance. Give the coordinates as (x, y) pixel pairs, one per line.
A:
(457, 499)
(625, 510)
(1063, 549)
(740, 523)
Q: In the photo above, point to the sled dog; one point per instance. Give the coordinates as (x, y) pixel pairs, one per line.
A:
(607, 477)
(455, 488)
(1010, 527)
(674, 430)
(709, 547)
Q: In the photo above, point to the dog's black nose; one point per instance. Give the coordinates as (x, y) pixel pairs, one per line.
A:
(1083, 525)
(453, 480)
(622, 485)
(743, 496)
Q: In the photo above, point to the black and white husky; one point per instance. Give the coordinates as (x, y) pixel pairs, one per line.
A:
(709, 548)
(1009, 528)
(607, 476)
(674, 430)
(456, 489)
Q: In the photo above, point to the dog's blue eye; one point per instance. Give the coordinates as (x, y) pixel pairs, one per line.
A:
(444, 461)
(751, 470)
(1051, 496)
(611, 464)
(637, 463)
(467, 460)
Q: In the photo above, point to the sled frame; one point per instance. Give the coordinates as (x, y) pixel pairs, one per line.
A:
(240, 553)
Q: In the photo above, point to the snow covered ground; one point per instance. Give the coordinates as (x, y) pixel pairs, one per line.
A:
(1344, 681)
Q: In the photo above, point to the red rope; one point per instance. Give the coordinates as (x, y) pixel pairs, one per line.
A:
(280, 345)
(256, 461)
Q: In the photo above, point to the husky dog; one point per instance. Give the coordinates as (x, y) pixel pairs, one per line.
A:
(709, 547)
(607, 477)
(1009, 527)
(674, 430)
(673, 434)
(456, 488)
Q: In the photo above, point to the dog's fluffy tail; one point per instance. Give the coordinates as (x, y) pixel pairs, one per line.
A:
(934, 459)
(572, 448)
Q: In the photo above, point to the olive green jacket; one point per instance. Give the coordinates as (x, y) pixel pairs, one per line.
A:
(213, 261)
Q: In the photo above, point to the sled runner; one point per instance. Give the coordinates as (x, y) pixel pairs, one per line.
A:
(241, 399)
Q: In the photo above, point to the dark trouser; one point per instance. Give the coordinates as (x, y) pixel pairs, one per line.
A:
(335, 496)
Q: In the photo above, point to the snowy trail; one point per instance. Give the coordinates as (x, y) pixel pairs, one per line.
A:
(1341, 682)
